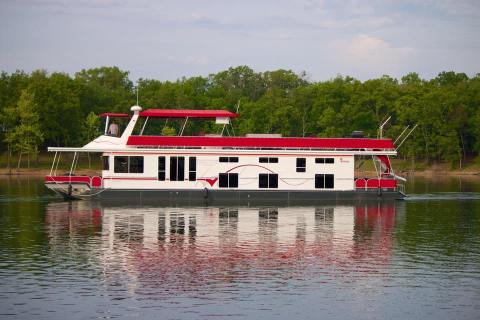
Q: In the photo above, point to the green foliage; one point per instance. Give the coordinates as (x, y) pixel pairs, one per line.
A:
(446, 108)
(26, 136)
(91, 127)
(169, 131)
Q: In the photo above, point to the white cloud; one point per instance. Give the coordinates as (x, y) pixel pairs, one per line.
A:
(367, 52)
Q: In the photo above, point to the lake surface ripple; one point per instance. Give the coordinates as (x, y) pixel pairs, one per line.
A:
(413, 259)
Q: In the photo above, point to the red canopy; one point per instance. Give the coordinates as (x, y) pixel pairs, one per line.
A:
(184, 113)
(321, 143)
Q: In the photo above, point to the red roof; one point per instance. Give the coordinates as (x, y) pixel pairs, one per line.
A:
(251, 142)
(183, 113)
(114, 115)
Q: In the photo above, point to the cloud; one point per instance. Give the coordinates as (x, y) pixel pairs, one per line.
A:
(367, 52)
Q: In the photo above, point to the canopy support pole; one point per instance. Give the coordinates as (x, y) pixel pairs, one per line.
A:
(53, 163)
(183, 127)
(143, 127)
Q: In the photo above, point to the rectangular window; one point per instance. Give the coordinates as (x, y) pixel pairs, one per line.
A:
(135, 165)
(324, 160)
(162, 165)
(105, 163)
(228, 180)
(268, 160)
(268, 180)
(301, 164)
(177, 168)
(192, 168)
(124, 164)
(120, 165)
(324, 181)
(228, 159)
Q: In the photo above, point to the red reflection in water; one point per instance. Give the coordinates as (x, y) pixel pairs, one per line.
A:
(180, 249)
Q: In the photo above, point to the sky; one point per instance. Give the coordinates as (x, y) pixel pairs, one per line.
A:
(167, 40)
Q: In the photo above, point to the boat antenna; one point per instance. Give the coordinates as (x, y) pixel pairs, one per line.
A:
(380, 129)
(409, 133)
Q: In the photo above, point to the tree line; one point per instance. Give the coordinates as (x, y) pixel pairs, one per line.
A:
(43, 109)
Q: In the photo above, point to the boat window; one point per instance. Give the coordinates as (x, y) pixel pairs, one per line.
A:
(228, 180)
(324, 160)
(301, 164)
(161, 168)
(324, 181)
(177, 168)
(124, 164)
(120, 165)
(192, 168)
(228, 159)
(268, 160)
(268, 180)
(135, 164)
(105, 163)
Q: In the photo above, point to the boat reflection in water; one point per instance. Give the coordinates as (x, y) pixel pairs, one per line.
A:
(176, 249)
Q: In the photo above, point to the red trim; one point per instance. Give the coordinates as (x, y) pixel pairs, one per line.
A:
(114, 115)
(375, 183)
(184, 113)
(321, 143)
(210, 181)
(128, 178)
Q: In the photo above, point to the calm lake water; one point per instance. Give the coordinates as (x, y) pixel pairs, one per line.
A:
(412, 259)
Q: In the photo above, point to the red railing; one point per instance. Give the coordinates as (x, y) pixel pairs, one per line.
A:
(375, 183)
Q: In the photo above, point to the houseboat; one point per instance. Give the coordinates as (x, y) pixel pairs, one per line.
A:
(209, 168)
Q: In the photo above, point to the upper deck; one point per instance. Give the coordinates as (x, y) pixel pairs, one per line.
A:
(261, 143)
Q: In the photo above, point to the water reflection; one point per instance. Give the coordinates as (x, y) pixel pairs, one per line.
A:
(171, 249)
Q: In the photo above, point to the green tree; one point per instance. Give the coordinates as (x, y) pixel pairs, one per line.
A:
(26, 137)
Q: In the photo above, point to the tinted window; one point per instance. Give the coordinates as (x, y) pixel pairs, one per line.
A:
(192, 168)
(273, 180)
(177, 168)
(301, 164)
(324, 181)
(136, 165)
(329, 181)
(268, 180)
(223, 180)
(263, 180)
(105, 163)
(324, 160)
(121, 164)
(161, 168)
(228, 159)
(233, 180)
(228, 180)
(268, 160)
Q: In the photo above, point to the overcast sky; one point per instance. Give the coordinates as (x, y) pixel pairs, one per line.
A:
(166, 40)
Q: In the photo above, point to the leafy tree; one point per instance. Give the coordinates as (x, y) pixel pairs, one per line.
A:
(26, 137)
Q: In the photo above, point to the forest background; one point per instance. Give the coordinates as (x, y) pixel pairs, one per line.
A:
(43, 109)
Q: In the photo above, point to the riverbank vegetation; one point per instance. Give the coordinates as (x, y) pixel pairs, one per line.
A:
(43, 109)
